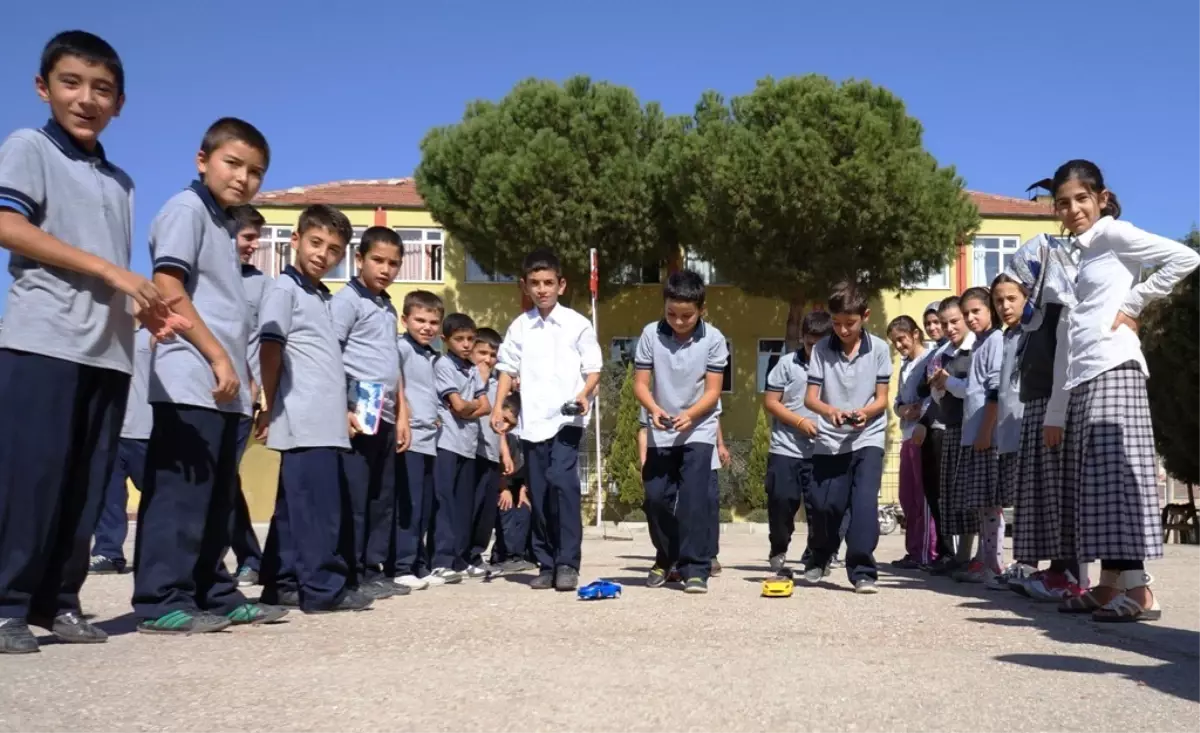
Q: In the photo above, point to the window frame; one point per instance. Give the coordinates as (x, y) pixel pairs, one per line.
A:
(924, 285)
(729, 369)
(696, 263)
(761, 374)
(612, 344)
(979, 255)
(488, 279)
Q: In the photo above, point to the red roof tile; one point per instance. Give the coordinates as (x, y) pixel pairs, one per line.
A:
(401, 193)
(396, 193)
(994, 205)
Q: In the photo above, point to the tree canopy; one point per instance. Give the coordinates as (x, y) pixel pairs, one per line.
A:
(1168, 331)
(804, 182)
(564, 167)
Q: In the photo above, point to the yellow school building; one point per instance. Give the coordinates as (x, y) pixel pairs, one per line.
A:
(753, 325)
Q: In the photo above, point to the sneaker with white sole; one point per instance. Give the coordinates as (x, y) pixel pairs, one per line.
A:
(1004, 580)
(411, 581)
(444, 576)
(477, 571)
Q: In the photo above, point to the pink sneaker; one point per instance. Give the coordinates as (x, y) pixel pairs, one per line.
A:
(1054, 588)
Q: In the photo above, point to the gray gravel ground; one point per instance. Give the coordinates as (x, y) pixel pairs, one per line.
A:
(923, 654)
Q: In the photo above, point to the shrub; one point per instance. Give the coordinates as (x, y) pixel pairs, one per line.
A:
(623, 465)
(758, 516)
(726, 515)
(634, 515)
(754, 490)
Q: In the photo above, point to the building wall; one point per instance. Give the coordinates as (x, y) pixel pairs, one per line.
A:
(743, 319)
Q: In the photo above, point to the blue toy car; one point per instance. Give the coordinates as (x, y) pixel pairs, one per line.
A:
(599, 590)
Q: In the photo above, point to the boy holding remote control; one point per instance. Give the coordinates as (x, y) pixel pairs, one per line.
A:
(687, 358)
(848, 375)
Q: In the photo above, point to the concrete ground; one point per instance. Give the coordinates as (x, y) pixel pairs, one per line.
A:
(924, 654)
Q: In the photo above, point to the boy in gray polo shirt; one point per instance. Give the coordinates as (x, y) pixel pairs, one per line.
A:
(305, 420)
(364, 322)
(422, 316)
(462, 399)
(199, 391)
(248, 223)
(848, 379)
(481, 519)
(687, 359)
(793, 427)
(66, 349)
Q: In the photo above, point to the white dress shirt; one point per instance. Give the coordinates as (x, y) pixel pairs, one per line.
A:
(551, 356)
(1110, 268)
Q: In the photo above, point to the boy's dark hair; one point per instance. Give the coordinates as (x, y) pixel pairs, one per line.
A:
(541, 259)
(847, 300)
(905, 324)
(456, 322)
(816, 323)
(229, 129)
(379, 235)
(1087, 173)
(513, 402)
(947, 303)
(87, 46)
(684, 286)
(985, 296)
(246, 216)
(325, 217)
(489, 336)
(423, 299)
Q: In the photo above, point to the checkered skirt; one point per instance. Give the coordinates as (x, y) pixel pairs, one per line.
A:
(1039, 532)
(978, 478)
(955, 519)
(1110, 468)
(1009, 465)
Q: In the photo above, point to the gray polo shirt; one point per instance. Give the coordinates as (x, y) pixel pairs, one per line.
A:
(789, 379)
(454, 375)
(365, 326)
(679, 371)
(489, 440)
(193, 235)
(255, 283)
(983, 382)
(416, 363)
(310, 404)
(84, 200)
(139, 418)
(849, 384)
(1011, 411)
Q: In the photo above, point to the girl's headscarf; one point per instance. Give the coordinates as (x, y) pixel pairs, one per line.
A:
(1047, 267)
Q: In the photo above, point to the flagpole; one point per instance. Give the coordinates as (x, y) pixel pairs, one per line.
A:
(595, 287)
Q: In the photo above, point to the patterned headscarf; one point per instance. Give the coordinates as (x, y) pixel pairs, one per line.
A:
(1047, 267)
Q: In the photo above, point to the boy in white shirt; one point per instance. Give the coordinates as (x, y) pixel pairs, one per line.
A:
(554, 348)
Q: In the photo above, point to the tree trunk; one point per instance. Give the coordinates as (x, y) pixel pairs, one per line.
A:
(796, 310)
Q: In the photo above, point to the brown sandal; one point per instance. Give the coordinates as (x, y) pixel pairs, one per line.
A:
(1124, 609)
(1086, 602)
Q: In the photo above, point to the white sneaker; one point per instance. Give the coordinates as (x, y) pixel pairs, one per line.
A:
(477, 571)
(443, 576)
(411, 581)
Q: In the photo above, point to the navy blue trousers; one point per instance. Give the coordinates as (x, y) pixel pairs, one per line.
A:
(369, 470)
(453, 499)
(788, 481)
(241, 532)
(512, 535)
(183, 515)
(840, 482)
(414, 509)
(483, 509)
(306, 541)
(680, 507)
(714, 494)
(58, 442)
(552, 470)
(113, 525)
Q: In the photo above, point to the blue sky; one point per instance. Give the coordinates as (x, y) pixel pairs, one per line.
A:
(1004, 94)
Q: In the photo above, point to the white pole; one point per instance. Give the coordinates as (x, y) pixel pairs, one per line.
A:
(596, 404)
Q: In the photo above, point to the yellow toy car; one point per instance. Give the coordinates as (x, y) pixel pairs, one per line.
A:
(778, 587)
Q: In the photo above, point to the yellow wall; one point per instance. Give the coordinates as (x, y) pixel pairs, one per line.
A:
(743, 319)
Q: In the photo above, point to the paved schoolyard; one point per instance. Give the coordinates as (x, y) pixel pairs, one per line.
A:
(921, 655)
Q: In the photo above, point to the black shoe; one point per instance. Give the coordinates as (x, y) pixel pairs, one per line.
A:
(777, 562)
(543, 581)
(906, 563)
(352, 600)
(836, 562)
(566, 579)
(715, 570)
(72, 628)
(656, 578)
(378, 590)
(101, 565)
(944, 566)
(285, 598)
(246, 576)
(184, 623)
(16, 638)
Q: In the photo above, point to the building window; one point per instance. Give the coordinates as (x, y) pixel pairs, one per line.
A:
(991, 256)
(621, 350)
(937, 280)
(345, 270)
(648, 274)
(727, 378)
(769, 353)
(706, 269)
(274, 249)
(476, 274)
(423, 250)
